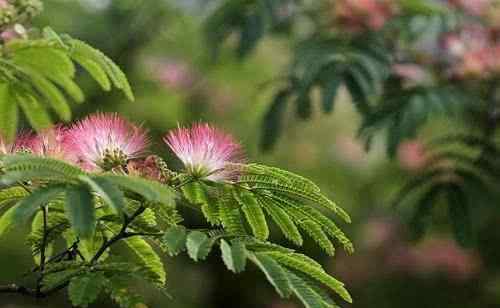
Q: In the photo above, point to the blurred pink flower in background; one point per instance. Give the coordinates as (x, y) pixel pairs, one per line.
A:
(359, 15)
(471, 37)
(378, 232)
(436, 256)
(411, 74)
(177, 75)
(349, 150)
(445, 256)
(412, 155)
(472, 52)
(380, 237)
(471, 7)
(383, 250)
(3, 4)
(221, 99)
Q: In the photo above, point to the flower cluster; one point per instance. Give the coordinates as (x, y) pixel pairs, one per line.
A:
(472, 51)
(15, 13)
(384, 241)
(108, 142)
(360, 15)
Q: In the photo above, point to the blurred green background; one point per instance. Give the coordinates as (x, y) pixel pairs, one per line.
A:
(160, 46)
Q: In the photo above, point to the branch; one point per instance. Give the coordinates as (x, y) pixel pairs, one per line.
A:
(121, 235)
(42, 250)
(13, 288)
(130, 234)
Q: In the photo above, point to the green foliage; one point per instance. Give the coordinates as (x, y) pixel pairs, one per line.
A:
(199, 245)
(107, 191)
(118, 289)
(151, 191)
(275, 274)
(285, 197)
(11, 195)
(248, 19)
(19, 168)
(92, 212)
(400, 76)
(78, 218)
(80, 211)
(234, 255)
(56, 222)
(253, 213)
(82, 50)
(148, 258)
(230, 213)
(459, 168)
(37, 75)
(174, 240)
(326, 63)
(401, 112)
(292, 273)
(26, 208)
(84, 289)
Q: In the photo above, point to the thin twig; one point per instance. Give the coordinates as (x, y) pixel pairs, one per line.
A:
(13, 288)
(127, 220)
(42, 249)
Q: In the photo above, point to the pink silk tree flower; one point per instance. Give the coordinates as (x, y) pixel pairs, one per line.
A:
(3, 146)
(104, 141)
(206, 151)
(14, 32)
(22, 143)
(50, 143)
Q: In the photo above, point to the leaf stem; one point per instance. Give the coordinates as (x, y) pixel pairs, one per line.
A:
(42, 249)
(127, 220)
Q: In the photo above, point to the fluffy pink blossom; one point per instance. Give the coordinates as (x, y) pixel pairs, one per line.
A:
(205, 151)
(104, 141)
(22, 143)
(50, 143)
